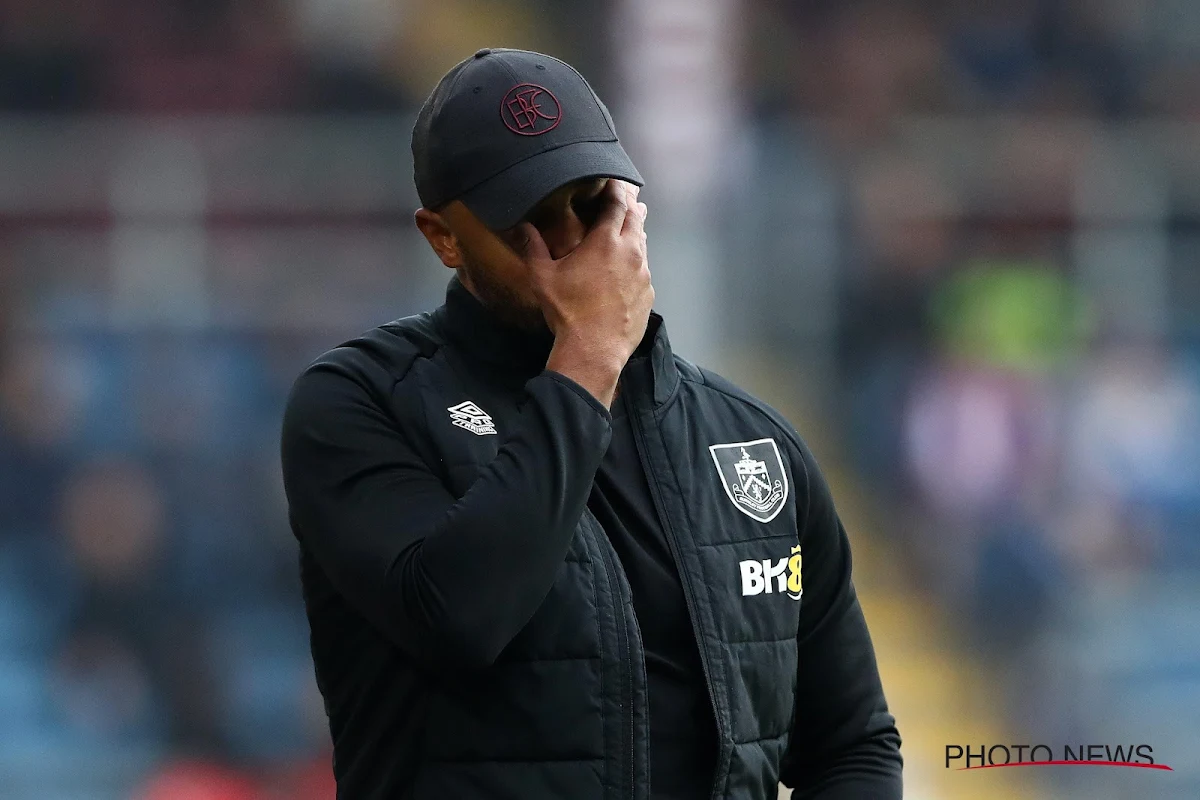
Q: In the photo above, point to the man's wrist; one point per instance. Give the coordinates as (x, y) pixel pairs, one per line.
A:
(593, 367)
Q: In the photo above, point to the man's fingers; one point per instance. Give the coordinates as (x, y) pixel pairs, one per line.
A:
(531, 244)
(622, 211)
(617, 197)
(635, 216)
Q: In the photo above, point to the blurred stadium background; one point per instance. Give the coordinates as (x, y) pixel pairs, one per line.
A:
(955, 240)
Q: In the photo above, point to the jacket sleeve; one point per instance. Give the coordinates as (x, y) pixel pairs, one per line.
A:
(450, 581)
(844, 743)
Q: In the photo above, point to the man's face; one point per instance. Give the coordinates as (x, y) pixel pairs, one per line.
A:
(489, 262)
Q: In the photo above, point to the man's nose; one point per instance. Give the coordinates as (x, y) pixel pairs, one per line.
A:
(564, 235)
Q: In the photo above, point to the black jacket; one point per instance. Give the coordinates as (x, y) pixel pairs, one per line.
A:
(472, 629)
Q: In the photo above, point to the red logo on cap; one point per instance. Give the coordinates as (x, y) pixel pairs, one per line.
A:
(530, 110)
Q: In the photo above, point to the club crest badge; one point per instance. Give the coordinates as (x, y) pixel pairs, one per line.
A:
(753, 477)
(530, 110)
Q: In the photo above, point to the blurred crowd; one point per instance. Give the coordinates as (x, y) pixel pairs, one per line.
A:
(148, 616)
(187, 56)
(1012, 316)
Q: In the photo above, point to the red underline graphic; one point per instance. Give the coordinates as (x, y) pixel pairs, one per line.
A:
(1070, 764)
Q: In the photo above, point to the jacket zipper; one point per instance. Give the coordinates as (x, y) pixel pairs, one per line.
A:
(689, 588)
(627, 648)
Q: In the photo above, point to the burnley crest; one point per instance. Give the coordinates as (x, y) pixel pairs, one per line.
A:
(753, 477)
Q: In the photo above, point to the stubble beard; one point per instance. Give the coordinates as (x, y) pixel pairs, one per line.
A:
(500, 299)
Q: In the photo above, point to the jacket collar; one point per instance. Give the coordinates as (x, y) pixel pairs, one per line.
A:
(473, 329)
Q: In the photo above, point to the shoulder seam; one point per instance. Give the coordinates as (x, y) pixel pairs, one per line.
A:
(390, 375)
(757, 405)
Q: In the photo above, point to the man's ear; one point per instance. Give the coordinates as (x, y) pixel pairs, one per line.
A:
(440, 237)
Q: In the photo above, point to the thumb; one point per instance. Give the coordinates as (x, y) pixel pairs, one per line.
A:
(531, 246)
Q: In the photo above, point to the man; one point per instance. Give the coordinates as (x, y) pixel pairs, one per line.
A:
(542, 556)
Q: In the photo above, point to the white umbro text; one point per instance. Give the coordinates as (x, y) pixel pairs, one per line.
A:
(471, 417)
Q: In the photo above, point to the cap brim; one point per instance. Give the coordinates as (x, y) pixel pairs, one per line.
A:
(503, 200)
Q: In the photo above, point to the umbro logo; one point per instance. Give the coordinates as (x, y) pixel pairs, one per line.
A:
(471, 417)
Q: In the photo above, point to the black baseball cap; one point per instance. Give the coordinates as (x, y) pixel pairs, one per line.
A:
(505, 128)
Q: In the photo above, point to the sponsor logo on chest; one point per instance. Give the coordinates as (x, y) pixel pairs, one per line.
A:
(770, 576)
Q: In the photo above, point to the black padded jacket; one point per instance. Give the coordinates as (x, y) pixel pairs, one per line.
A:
(471, 625)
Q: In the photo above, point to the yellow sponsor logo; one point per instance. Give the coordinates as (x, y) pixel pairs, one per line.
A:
(769, 576)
